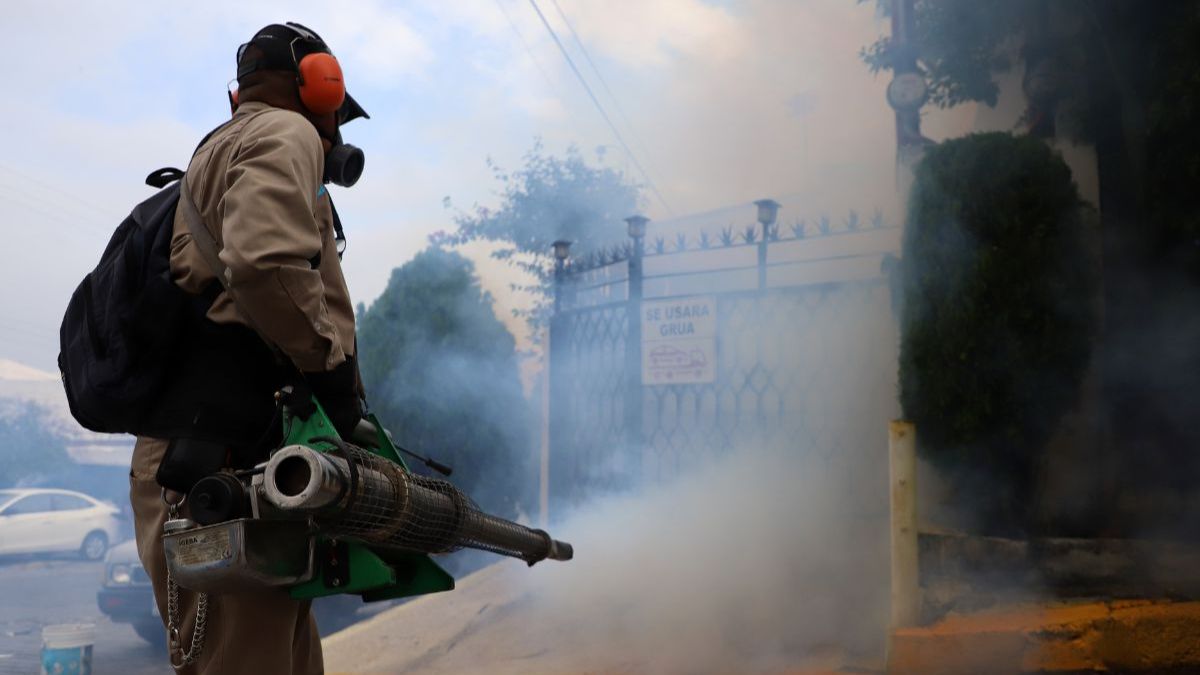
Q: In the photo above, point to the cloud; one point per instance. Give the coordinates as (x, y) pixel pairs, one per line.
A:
(478, 18)
(379, 42)
(638, 33)
(802, 104)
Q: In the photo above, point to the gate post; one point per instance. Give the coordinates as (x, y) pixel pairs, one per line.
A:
(551, 479)
(562, 249)
(767, 210)
(634, 433)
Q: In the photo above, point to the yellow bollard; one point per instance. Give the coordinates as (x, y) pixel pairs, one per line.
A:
(902, 468)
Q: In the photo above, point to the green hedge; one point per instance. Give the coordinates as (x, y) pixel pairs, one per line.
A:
(997, 322)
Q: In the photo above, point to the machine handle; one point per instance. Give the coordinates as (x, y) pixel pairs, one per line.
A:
(366, 434)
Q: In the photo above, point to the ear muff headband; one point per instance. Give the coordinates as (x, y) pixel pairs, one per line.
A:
(319, 79)
(318, 75)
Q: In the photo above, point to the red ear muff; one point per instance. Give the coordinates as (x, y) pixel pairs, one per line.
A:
(321, 87)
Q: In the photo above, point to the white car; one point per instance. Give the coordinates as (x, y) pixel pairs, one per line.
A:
(55, 521)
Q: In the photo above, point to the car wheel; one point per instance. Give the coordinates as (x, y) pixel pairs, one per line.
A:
(94, 546)
(152, 632)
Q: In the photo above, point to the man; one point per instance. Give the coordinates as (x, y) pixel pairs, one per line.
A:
(284, 317)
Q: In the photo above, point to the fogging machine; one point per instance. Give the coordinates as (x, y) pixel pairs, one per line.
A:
(326, 515)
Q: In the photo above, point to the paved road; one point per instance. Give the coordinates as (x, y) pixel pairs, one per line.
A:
(38, 592)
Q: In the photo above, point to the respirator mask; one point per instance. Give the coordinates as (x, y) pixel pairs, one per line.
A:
(343, 163)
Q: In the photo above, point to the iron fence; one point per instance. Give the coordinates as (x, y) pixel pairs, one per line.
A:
(803, 354)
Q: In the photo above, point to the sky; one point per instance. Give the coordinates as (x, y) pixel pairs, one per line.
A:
(721, 102)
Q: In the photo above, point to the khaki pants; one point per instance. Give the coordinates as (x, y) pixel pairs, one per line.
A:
(264, 632)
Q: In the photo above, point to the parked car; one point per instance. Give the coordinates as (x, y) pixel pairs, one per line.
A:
(126, 596)
(56, 521)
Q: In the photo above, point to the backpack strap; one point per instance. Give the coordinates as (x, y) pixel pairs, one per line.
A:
(200, 233)
(209, 251)
(169, 174)
(339, 235)
(163, 177)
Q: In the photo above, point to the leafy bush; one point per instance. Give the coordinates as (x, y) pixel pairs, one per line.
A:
(548, 198)
(31, 449)
(997, 321)
(441, 372)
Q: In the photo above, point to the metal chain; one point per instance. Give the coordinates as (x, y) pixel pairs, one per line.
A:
(176, 646)
(197, 646)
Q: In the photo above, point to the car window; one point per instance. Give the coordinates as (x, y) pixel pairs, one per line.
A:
(71, 503)
(30, 504)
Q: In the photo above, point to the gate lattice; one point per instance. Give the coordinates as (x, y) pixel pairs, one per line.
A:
(804, 336)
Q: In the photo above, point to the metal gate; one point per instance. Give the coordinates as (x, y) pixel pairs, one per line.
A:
(804, 357)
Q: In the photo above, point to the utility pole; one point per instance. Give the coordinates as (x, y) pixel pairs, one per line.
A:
(906, 93)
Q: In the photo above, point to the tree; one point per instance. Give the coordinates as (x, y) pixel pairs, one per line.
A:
(441, 372)
(997, 328)
(547, 199)
(1124, 77)
(30, 449)
(1120, 75)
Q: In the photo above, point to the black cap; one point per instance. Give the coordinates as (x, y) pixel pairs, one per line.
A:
(281, 47)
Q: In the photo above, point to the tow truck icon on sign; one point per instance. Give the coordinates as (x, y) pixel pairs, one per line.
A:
(668, 362)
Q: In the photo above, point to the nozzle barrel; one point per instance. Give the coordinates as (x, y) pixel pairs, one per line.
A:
(365, 496)
(561, 550)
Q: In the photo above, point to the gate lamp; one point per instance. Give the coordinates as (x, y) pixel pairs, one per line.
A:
(562, 249)
(637, 226)
(768, 209)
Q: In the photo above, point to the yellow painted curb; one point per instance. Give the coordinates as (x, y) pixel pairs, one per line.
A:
(1128, 636)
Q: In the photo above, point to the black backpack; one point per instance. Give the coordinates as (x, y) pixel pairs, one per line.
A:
(124, 317)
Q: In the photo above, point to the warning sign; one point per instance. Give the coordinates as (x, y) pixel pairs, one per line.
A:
(679, 341)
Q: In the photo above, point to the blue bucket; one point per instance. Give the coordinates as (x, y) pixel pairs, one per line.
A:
(67, 649)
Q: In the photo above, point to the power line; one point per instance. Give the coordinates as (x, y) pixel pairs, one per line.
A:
(87, 204)
(81, 216)
(528, 49)
(600, 108)
(603, 83)
(26, 201)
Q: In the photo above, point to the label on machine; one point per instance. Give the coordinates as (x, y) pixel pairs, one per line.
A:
(204, 547)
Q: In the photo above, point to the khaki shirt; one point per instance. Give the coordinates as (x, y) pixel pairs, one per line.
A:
(257, 185)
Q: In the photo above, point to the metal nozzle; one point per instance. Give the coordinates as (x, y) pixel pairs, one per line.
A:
(298, 478)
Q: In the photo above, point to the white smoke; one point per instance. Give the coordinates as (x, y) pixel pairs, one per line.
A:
(751, 564)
